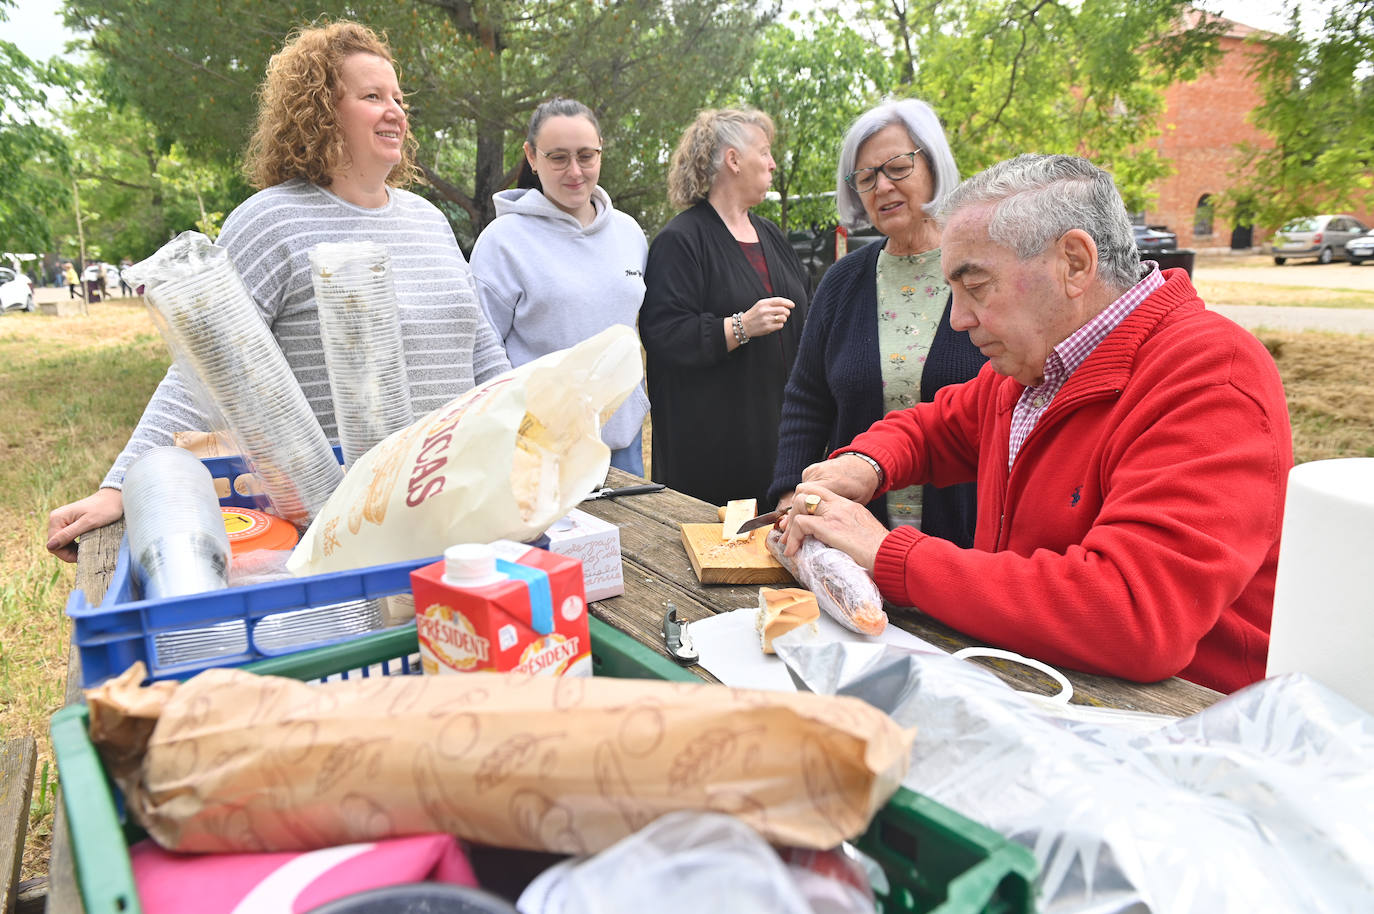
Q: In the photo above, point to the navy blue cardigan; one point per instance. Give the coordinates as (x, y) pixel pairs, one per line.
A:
(835, 390)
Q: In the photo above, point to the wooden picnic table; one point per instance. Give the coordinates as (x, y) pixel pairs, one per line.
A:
(657, 571)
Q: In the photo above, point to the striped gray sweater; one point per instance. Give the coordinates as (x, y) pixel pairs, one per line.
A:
(449, 344)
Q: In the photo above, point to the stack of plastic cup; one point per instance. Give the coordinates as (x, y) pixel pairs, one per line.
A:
(216, 332)
(179, 546)
(361, 330)
(176, 531)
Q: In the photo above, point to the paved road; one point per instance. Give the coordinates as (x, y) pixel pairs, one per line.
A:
(1335, 320)
(50, 294)
(1311, 275)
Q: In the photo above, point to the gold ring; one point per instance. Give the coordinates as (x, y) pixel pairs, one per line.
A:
(812, 501)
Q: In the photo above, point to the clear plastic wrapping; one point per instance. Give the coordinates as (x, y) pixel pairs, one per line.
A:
(1261, 802)
(360, 328)
(842, 588)
(217, 336)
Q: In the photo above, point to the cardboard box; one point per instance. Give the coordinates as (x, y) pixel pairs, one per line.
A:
(530, 618)
(596, 543)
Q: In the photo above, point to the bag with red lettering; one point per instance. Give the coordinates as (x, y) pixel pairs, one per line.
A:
(503, 461)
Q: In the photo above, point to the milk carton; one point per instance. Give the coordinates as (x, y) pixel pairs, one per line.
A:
(503, 607)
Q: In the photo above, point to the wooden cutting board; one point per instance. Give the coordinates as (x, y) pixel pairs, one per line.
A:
(716, 562)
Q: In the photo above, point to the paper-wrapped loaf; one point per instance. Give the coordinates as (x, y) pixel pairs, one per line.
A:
(238, 762)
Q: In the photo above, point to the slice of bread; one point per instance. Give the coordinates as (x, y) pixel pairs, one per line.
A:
(783, 610)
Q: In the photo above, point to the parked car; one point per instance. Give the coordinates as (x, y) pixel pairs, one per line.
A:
(1360, 248)
(16, 291)
(1150, 240)
(91, 278)
(92, 274)
(1322, 237)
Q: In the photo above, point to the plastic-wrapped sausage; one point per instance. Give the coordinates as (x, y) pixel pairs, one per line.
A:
(842, 588)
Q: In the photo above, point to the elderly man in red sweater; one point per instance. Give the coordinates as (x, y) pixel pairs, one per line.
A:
(1131, 448)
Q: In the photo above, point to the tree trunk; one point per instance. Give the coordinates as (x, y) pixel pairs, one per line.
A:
(489, 177)
(81, 245)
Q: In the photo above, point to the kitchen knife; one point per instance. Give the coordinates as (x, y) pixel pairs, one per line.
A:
(641, 489)
(763, 520)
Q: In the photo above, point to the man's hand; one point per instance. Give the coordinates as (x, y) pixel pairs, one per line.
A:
(835, 521)
(68, 522)
(847, 476)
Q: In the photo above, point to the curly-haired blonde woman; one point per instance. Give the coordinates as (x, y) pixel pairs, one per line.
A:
(724, 301)
(330, 152)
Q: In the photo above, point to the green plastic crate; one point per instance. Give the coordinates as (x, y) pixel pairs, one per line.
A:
(937, 861)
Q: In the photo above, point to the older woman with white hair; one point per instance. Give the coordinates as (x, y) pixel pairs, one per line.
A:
(878, 337)
(724, 300)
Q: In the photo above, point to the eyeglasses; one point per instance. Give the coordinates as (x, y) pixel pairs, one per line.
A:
(560, 160)
(896, 168)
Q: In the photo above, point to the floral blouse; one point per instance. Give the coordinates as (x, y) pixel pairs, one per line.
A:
(912, 294)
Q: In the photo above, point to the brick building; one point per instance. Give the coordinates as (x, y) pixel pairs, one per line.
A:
(1203, 123)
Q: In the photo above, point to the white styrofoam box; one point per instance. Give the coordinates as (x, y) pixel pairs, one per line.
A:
(597, 544)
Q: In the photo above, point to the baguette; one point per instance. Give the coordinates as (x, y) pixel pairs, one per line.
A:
(842, 588)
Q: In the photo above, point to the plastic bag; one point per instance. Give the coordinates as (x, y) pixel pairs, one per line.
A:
(842, 588)
(503, 461)
(687, 863)
(1273, 787)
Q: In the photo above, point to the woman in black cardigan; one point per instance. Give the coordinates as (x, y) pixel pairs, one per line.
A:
(724, 301)
(878, 337)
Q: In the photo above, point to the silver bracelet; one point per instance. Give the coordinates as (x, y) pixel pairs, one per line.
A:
(877, 468)
(740, 336)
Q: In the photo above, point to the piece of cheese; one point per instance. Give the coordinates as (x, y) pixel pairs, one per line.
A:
(736, 513)
(783, 610)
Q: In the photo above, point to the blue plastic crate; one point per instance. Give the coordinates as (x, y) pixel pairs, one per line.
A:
(123, 629)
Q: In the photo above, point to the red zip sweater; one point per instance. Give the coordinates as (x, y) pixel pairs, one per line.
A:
(1137, 533)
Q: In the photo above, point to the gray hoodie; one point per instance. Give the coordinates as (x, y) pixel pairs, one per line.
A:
(547, 282)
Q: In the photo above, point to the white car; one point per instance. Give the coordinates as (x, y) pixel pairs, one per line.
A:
(1360, 248)
(92, 274)
(16, 292)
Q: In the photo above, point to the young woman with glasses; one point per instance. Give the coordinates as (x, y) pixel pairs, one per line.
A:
(722, 316)
(878, 336)
(559, 263)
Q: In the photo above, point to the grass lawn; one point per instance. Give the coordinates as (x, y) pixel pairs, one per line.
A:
(75, 386)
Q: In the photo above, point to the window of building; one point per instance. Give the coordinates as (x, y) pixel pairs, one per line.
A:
(1202, 217)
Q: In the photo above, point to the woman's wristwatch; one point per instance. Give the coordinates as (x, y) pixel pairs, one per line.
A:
(738, 322)
(877, 468)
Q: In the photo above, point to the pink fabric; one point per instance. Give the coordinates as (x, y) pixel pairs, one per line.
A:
(290, 883)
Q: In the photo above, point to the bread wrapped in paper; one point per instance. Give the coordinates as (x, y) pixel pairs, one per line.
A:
(238, 762)
(842, 588)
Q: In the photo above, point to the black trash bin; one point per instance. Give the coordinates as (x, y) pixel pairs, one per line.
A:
(92, 290)
(1166, 259)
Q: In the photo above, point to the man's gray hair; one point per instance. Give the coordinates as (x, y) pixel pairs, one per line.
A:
(1037, 198)
(925, 131)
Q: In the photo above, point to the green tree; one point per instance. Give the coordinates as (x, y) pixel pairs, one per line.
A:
(1013, 76)
(813, 76)
(474, 72)
(134, 193)
(33, 156)
(1318, 105)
